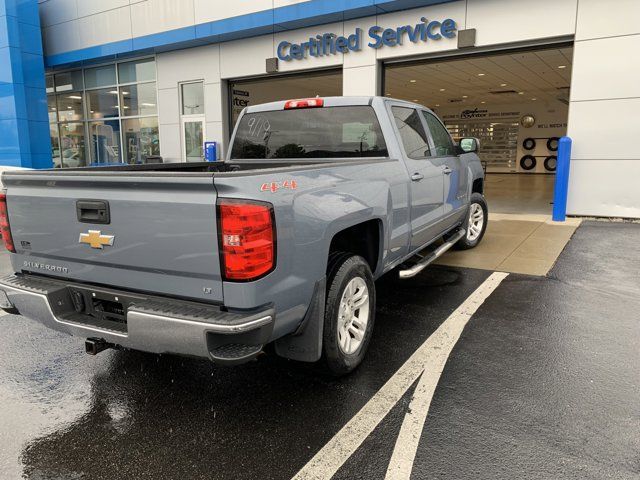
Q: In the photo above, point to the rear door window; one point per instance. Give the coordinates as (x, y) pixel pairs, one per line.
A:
(412, 134)
(326, 132)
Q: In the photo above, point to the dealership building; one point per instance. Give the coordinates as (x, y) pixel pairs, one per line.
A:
(92, 82)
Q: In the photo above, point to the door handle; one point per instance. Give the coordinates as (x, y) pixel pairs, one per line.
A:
(416, 177)
(446, 171)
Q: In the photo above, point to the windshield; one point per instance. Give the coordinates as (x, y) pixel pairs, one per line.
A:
(330, 132)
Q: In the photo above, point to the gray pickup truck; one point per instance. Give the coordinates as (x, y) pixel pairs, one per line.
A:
(279, 244)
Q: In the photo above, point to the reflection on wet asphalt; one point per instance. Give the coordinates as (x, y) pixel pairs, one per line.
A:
(126, 414)
(542, 384)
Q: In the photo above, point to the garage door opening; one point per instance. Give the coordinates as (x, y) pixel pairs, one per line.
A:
(516, 103)
(243, 93)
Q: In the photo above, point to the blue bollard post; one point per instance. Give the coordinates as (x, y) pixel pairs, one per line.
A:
(562, 180)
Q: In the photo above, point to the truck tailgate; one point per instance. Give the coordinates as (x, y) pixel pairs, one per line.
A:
(161, 234)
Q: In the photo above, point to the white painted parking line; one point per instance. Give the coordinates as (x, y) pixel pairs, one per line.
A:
(404, 452)
(429, 359)
(406, 447)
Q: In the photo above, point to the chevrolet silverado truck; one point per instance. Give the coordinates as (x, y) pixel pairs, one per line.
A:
(280, 243)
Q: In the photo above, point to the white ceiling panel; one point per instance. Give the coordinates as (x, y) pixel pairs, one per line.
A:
(543, 75)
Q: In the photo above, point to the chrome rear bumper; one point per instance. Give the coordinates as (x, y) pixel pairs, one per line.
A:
(153, 324)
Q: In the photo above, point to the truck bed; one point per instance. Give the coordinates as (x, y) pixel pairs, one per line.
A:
(199, 167)
(161, 220)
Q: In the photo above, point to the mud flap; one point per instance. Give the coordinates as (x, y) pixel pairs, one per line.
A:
(305, 344)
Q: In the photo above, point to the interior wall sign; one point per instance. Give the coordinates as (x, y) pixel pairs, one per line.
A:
(378, 37)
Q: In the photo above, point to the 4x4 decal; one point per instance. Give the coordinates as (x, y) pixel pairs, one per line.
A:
(273, 187)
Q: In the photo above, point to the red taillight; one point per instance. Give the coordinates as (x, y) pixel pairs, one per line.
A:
(247, 239)
(304, 103)
(4, 224)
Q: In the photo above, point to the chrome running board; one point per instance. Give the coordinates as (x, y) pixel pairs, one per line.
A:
(433, 256)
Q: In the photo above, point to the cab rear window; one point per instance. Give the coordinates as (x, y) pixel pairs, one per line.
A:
(327, 132)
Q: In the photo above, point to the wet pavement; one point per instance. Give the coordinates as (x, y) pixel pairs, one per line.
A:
(543, 383)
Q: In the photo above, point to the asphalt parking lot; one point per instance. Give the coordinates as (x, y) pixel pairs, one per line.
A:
(543, 382)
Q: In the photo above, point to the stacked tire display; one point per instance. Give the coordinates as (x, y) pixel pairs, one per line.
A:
(529, 161)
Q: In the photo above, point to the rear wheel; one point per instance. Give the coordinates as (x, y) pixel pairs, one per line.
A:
(476, 222)
(349, 313)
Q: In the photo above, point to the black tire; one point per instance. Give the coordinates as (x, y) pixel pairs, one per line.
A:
(551, 163)
(529, 144)
(465, 243)
(528, 162)
(344, 267)
(552, 144)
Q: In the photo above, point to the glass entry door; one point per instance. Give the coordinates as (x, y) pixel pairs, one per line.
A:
(193, 139)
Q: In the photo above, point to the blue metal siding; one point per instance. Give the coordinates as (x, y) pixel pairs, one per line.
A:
(24, 123)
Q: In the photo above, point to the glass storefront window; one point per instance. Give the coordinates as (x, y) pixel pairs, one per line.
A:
(141, 139)
(72, 144)
(137, 100)
(55, 145)
(70, 106)
(103, 103)
(100, 76)
(193, 98)
(49, 83)
(140, 71)
(105, 142)
(69, 81)
(53, 111)
(103, 114)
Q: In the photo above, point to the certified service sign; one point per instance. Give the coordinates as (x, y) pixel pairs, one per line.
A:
(378, 37)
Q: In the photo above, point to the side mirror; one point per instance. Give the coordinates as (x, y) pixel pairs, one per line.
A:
(469, 145)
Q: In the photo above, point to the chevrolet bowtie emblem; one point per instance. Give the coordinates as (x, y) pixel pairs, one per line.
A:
(95, 239)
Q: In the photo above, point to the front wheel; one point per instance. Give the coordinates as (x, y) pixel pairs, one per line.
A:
(476, 222)
(349, 313)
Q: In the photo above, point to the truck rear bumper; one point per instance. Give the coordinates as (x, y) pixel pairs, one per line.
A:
(140, 322)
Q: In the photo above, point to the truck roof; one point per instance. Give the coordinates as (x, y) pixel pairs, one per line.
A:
(328, 102)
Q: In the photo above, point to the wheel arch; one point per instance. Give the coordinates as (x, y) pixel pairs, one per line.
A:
(364, 239)
(478, 186)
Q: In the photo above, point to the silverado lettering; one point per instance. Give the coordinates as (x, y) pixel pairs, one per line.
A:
(44, 266)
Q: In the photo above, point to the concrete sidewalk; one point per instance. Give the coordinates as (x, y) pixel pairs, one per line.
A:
(528, 244)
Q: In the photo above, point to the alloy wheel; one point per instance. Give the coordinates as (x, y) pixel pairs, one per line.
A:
(476, 222)
(353, 315)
